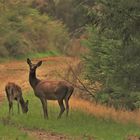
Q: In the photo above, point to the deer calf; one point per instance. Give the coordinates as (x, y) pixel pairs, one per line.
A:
(14, 92)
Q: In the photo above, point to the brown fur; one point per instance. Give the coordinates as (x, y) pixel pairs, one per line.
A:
(50, 90)
(14, 92)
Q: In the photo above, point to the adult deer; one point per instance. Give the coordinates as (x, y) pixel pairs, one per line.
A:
(50, 90)
(14, 92)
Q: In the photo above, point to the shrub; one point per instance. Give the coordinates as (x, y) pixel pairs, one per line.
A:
(3, 52)
(24, 30)
(119, 98)
(16, 45)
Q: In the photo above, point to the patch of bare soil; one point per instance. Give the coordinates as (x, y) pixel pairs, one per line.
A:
(43, 135)
(133, 137)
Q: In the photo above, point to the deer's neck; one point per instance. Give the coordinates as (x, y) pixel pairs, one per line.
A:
(33, 79)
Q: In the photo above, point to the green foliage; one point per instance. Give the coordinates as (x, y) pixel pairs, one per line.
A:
(114, 45)
(16, 45)
(119, 98)
(101, 61)
(39, 55)
(23, 30)
(72, 13)
(78, 125)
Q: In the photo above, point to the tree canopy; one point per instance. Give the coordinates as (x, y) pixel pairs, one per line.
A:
(114, 41)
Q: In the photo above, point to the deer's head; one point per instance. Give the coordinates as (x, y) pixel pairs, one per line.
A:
(33, 66)
(25, 107)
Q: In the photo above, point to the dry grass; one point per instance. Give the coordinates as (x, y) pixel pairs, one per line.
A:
(106, 112)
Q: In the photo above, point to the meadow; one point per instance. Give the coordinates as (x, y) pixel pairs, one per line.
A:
(80, 125)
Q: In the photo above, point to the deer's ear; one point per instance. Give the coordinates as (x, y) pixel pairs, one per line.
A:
(39, 63)
(28, 61)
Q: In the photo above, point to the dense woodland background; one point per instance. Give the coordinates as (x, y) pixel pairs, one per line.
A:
(104, 34)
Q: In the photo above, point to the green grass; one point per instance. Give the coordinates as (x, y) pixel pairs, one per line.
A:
(40, 55)
(12, 133)
(32, 55)
(77, 124)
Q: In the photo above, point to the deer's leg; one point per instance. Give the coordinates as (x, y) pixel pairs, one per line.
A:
(18, 106)
(10, 107)
(67, 107)
(67, 101)
(46, 109)
(44, 106)
(62, 108)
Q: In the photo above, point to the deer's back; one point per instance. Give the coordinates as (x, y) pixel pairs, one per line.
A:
(52, 90)
(12, 90)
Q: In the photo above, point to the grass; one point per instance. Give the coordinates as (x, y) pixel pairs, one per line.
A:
(32, 55)
(40, 55)
(12, 133)
(102, 111)
(78, 124)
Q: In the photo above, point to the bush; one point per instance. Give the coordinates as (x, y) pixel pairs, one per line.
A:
(24, 31)
(3, 52)
(16, 45)
(119, 98)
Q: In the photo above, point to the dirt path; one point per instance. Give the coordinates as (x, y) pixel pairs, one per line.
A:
(43, 135)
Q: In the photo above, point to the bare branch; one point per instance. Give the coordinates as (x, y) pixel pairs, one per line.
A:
(86, 89)
(78, 79)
